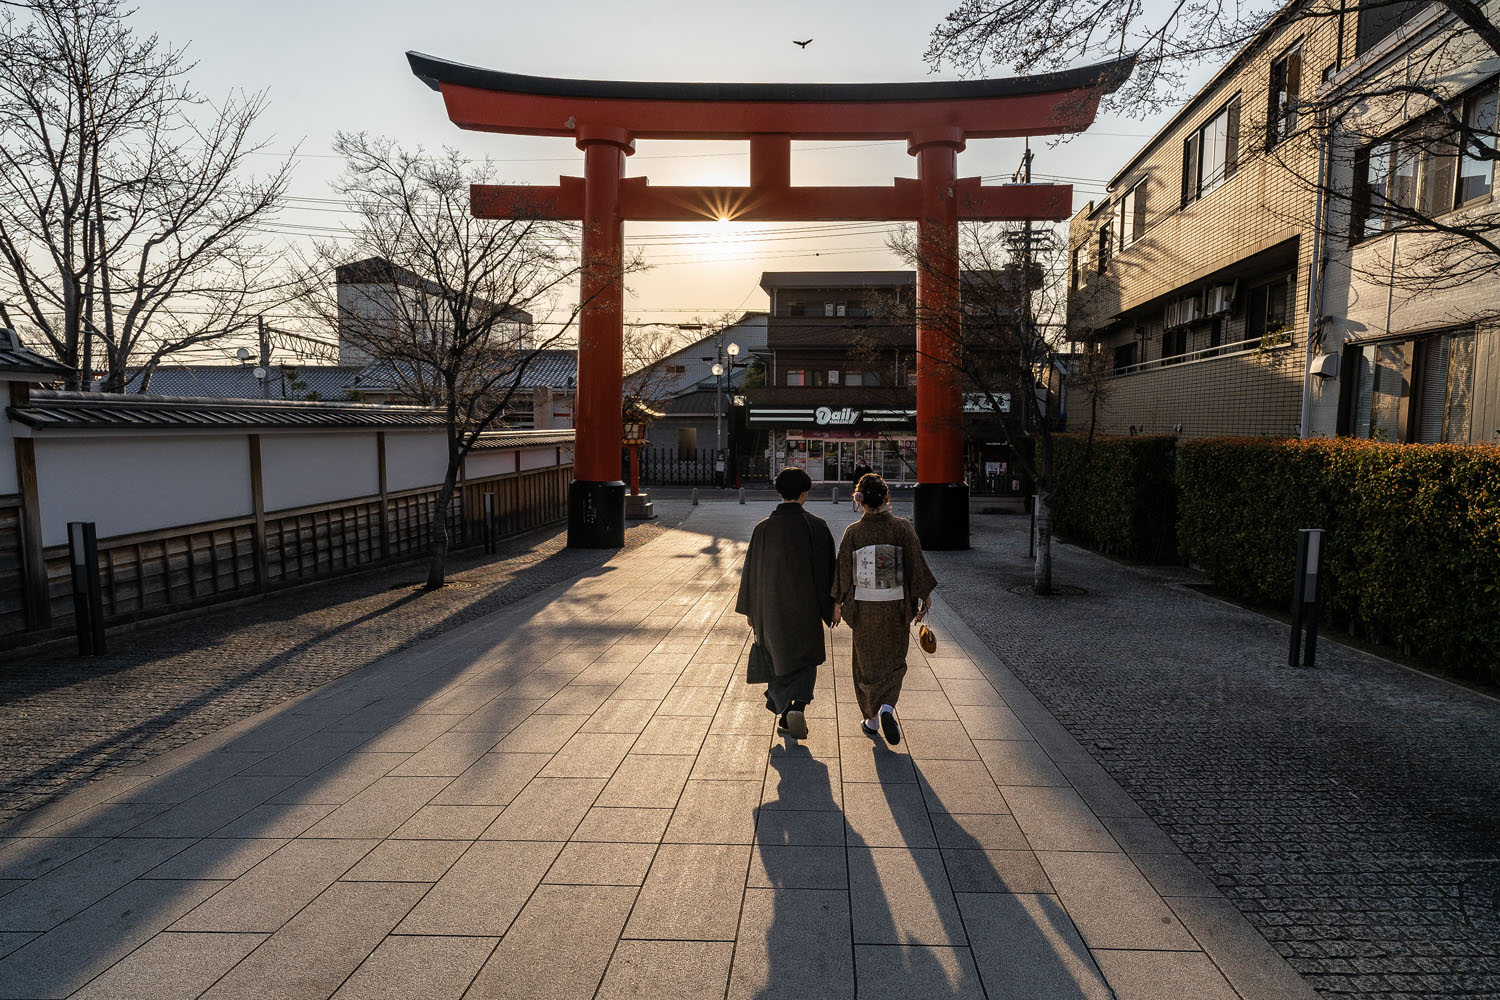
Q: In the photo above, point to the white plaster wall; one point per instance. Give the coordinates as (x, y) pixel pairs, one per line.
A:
(539, 458)
(298, 470)
(490, 463)
(130, 484)
(414, 459)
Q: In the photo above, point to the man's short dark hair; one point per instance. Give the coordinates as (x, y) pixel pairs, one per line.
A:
(792, 483)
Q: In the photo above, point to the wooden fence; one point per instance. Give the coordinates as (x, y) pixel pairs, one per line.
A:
(156, 572)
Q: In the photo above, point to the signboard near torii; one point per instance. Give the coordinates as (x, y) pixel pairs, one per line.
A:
(935, 119)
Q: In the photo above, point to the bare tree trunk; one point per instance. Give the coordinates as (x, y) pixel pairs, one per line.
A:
(437, 566)
(1041, 572)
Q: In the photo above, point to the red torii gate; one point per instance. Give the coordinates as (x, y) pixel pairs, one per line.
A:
(605, 118)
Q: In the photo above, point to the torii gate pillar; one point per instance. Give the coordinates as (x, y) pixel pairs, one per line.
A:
(596, 497)
(940, 505)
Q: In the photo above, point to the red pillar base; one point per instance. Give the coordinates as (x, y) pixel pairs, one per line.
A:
(940, 513)
(596, 515)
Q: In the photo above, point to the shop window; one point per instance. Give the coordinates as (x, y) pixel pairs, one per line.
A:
(854, 378)
(1286, 82)
(796, 376)
(872, 378)
(687, 444)
(1211, 154)
(1418, 390)
(1131, 219)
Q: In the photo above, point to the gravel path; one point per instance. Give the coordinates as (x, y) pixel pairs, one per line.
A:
(1351, 812)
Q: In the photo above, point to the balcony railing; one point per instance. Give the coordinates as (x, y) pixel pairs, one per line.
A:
(1239, 348)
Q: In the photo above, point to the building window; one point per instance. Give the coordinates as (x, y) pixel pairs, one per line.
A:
(1427, 169)
(1476, 167)
(1417, 390)
(854, 378)
(1131, 220)
(1125, 357)
(796, 376)
(1105, 241)
(1081, 265)
(1211, 154)
(1286, 82)
(1173, 345)
(1267, 310)
(676, 369)
(687, 444)
(1376, 21)
(796, 309)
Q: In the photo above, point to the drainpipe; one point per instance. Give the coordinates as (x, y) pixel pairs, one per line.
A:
(1315, 282)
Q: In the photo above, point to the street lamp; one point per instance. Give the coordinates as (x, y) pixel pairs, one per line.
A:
(720, 368)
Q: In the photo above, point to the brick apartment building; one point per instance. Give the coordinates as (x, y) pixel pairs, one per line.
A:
(1226, 299)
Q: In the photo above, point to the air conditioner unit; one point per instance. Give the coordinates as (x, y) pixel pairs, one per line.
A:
(1181, 312)
(1220, 299)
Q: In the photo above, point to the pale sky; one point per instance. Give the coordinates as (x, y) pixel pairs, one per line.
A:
(339, 64)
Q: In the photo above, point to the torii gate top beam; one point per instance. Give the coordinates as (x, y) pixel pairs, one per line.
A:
(1046, 104)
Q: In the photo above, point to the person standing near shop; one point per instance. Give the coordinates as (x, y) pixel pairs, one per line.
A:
(882, 585)
(719, 469)
(861, 469)
(786, 593)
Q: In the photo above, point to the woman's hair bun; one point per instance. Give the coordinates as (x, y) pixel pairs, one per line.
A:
(873, 490)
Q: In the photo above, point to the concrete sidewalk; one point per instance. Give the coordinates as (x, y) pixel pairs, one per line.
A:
(577, 796)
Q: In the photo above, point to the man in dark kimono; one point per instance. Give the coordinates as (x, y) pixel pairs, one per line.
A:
(786, 593)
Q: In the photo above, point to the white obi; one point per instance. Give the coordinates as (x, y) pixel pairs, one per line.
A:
(877, 573)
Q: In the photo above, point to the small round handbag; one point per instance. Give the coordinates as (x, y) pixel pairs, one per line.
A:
(926, 638)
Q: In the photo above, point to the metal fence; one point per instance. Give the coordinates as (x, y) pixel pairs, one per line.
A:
(671, 467)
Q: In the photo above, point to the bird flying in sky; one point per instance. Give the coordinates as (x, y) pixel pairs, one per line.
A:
(803, 44)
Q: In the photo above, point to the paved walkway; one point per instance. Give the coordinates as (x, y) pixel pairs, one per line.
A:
(576, 796)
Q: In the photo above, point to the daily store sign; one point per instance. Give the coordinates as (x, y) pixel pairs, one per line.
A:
(826, 417)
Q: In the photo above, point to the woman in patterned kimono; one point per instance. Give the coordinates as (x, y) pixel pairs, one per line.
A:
(881, 586)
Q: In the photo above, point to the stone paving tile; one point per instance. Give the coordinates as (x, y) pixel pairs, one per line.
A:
(647, 780)
(62, 960)
(793, 943)
(380, 809)
(887, 816)
(276, 820)
(558, 947)
(547, 809)
(692, 893)
(864, 760)
(801, 782)
(407, 861)
(26, 858)
(813, 829)
(896, 972)
(1019, 762)
(672, 734)
(667, 970)
(267, 895)
(448, 823)
(901, 896)
(1056, 819)
(1163, 975)
(73, 886)
(450, 755)
(544, 734)
(775, 866)
(589, 755)
(715, 812)
(216, 859)
(930, 739)
(418, 968)
(1026, 948)
(1111, 902)
(499, 716)
(603, 824)
(628, 716)
(107, 819)
(601, 864)
(993, 831)
(343, 779)
(318, 948)
(171, 967)
(483, 891)
(960, 786)
(995, 871)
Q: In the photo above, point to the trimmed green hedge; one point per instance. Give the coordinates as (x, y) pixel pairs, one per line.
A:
(1124, 502)
(1413, 535)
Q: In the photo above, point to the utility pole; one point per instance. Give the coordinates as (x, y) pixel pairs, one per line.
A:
(265, 357)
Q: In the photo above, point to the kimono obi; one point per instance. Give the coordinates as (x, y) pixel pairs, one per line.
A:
(877, 573)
